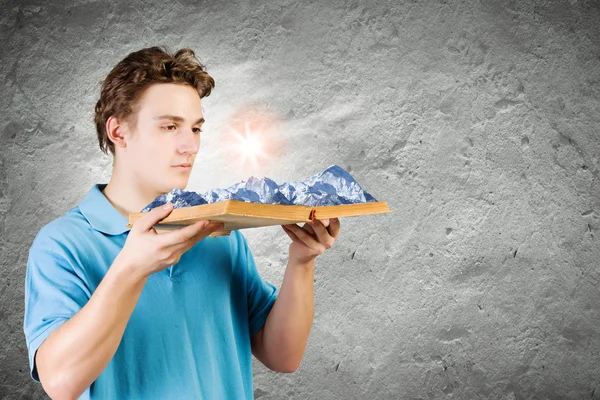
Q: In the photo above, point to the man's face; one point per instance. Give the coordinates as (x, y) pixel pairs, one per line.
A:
(166, 135)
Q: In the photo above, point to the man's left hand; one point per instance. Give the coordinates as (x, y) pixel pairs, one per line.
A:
(312, 239)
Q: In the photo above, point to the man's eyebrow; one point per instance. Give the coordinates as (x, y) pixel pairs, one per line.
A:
(177, 118)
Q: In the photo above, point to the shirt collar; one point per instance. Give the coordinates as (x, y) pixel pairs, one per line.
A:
(101, 214)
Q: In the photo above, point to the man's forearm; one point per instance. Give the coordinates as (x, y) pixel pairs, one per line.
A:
(288, 325)
(77, 352)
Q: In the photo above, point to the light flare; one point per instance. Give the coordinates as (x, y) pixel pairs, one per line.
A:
(254, 137)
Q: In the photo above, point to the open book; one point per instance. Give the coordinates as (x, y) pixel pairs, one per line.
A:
(332, 193)
(240, 215)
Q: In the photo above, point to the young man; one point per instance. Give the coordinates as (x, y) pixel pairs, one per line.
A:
(118, 313)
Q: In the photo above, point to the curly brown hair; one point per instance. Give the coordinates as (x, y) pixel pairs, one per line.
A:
(128, 80)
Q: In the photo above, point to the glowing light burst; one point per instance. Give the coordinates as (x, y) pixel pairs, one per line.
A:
(254, 140)
(249, 146)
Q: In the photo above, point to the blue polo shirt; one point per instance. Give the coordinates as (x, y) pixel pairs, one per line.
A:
(189, 334)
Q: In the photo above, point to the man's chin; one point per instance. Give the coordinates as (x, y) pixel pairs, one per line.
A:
(173, 181)
(180, 183)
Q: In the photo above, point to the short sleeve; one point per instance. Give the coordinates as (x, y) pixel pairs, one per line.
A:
(261, 294)
(53, 294)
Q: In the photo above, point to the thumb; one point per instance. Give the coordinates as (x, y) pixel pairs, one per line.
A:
(153, 216)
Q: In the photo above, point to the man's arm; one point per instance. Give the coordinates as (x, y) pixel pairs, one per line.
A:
(91, 337)
(280, 344)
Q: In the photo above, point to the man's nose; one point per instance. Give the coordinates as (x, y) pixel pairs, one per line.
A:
(189, 142)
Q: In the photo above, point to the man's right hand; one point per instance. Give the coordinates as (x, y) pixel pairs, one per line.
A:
(147, 251)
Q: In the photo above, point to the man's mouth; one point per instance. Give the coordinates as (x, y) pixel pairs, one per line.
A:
(183, 166)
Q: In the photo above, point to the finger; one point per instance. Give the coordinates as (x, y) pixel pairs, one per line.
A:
(188, 244)
(323, 234)
(325, 222)
(152, 217)
(291, 235)
(198, 236)
(184, 246)
(307, 226)
(334, 228)
(181, 235)
(212, 228)
(199, 229)
(305, 237)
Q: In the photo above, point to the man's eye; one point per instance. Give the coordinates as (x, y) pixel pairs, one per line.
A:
(169, 126)
(198, 130)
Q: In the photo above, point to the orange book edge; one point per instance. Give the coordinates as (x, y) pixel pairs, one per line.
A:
(241, 215)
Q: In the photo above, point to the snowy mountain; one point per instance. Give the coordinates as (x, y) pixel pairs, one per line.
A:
(333, 186)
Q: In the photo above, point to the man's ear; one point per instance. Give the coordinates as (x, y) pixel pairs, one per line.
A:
(117, 131)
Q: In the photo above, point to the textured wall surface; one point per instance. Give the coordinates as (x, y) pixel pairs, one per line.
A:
(478, 122)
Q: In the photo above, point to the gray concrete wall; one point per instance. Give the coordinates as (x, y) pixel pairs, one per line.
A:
(478, 122)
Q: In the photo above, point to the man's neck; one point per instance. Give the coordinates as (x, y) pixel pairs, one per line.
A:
(126, 197)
